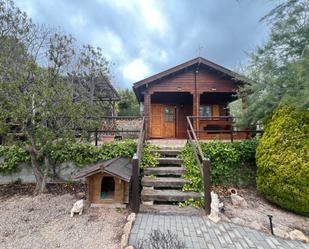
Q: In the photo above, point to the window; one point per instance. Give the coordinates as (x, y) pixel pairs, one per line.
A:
(169, 114)
(205, 111)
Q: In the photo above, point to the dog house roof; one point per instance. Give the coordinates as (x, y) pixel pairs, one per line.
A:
(120, 167)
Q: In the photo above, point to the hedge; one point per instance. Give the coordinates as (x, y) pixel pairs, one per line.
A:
(232, 164)
(81, 154)
(282, 160)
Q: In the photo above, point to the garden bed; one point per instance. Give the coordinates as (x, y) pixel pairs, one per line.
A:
(255, 215)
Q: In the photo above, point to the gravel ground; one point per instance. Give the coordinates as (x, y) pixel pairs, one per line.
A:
(44, 222)
(258, 209)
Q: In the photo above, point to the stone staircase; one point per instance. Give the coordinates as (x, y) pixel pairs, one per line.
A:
(162, 185)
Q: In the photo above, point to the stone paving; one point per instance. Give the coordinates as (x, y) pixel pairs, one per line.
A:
(201, 233)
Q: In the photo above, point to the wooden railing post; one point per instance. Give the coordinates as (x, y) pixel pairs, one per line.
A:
(135, 185)
(96, 136)
(207, 185)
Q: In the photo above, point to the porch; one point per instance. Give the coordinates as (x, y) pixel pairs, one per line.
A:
(166, 115)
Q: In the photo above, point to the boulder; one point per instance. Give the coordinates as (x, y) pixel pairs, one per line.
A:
(124, 241)
(127, 228)
(298, 235)
(238, 220)
(257, 225)
(131, 217)
(281, 232)
(238, 201)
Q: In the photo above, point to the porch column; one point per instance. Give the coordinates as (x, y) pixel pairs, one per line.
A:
(196, 109)
(147, 113)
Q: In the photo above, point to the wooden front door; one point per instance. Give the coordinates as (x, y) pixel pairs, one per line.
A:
(163, 121)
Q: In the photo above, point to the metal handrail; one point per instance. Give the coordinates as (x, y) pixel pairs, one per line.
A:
(203, 163)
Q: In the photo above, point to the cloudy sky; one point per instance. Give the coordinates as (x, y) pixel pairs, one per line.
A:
(144, 37)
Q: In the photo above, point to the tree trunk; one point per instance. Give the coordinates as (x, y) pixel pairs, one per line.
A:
(40, 177)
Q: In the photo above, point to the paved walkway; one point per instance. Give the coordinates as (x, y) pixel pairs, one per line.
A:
(200, 233)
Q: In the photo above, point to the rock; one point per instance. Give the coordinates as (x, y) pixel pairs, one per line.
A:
(78, 207)
(257, 225)
(281, 232)
(127, 227)
(298, 235)
(131, 217)
(238, 201)
(238, 220)
(124, 241)
(215, 205)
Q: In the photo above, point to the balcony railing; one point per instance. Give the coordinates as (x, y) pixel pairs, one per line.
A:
(220, 127)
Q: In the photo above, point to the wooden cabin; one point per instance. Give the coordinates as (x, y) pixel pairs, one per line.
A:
(198, 88)
(108, 182)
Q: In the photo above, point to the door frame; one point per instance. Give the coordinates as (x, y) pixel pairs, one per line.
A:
(162, 127)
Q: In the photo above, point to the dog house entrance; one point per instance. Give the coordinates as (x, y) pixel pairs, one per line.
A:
(107, 187)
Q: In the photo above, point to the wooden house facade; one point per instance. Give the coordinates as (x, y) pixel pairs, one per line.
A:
(199, 89)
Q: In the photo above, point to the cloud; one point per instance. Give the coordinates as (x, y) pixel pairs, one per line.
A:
(135, 70)
(78, 20)
(143, 37)
(110, 42)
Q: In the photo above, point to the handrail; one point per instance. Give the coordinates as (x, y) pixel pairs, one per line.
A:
(226, 125)
(141, 139)
(203, 164)
(136, 161)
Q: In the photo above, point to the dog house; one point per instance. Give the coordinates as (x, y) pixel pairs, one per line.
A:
(108, 182)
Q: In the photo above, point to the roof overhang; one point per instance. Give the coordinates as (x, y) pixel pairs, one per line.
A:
(140, 86)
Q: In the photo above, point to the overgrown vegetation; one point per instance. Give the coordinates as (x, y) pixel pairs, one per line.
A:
(232, 164)
(161, 240)
(80, 154)
(149, 159)
(282, 160)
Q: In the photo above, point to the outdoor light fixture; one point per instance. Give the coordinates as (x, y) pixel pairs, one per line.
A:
(271, 223)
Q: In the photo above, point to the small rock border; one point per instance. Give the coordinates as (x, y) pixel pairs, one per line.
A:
(126, 232)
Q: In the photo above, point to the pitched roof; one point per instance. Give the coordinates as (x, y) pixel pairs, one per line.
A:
(197, 61)
(119, 167)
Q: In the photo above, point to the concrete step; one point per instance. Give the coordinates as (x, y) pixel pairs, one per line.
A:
(167, 195)
(166, 152)
(162, 182)
(170, 209)
(165, 171)
(169, 161)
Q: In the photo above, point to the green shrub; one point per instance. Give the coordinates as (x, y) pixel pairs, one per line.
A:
(85, 154)
(149, 159)
(11, 157)
(231, 164)
(80, 154)
(282, 160)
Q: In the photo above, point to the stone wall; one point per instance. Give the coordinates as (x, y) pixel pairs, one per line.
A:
(25, 174)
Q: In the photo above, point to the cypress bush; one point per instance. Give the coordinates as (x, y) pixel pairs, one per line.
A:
(283, 162)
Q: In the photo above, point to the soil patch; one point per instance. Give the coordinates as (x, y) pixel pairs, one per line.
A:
(44, 221)
(18, 189)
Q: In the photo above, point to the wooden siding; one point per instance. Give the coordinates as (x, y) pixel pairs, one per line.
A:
(205, 88)
(185, 82)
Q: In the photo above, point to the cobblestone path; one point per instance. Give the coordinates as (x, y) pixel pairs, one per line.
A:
(200, 233)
